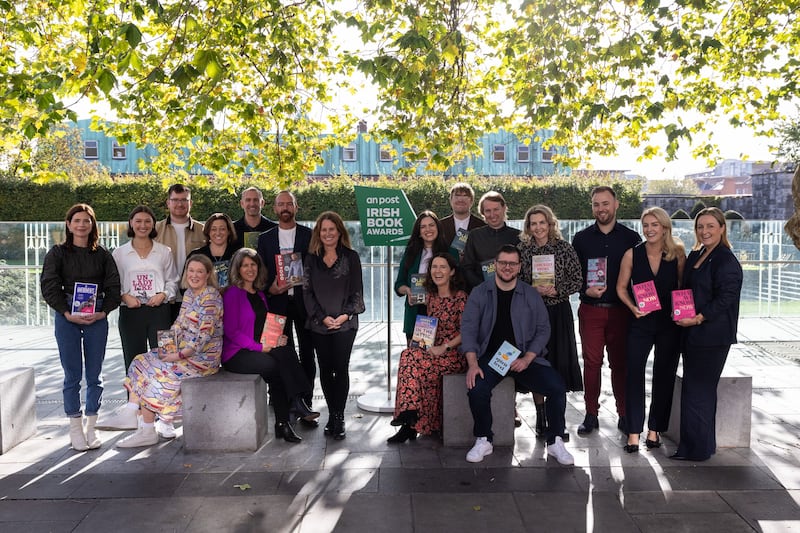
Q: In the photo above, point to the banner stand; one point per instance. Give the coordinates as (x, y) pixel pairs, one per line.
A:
(379, 402)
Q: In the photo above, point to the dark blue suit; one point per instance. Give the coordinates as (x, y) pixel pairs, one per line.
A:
(292, 307)
(716, 285)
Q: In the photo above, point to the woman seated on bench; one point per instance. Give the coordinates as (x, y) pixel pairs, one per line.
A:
(418, 403)
(191, 349)
(244, 351)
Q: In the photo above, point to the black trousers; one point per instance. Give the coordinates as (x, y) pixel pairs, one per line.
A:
(280, 369)
(665, 337)
(333, 352)
(702, 367)
(295, 315)
(138, 327)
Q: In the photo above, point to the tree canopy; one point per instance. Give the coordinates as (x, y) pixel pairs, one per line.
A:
(256, 86)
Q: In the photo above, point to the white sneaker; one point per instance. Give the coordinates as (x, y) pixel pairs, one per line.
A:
(481, 449)
(561, 454)
(144, 436)
(122, 419)
(165, 429)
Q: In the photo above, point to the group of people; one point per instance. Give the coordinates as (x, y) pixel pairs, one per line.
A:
(484, 282)
(486, 286)
(194, 297)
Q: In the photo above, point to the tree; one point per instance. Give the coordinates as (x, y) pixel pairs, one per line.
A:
(60, 156)
(248, 86)
(685, 186)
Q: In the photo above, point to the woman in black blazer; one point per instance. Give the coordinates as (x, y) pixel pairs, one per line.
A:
(715, 277)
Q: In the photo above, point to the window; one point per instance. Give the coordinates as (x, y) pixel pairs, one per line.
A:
(499, 153)
(349, 152)
(523, 153)
(547, 155)
(386, 153)
(90, 149)
(118, 151)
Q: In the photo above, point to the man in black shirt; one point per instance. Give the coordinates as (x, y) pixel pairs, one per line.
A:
(483, 243)
(253, 223)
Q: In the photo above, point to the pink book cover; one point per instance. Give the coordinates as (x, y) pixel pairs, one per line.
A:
(683, 304)
(646, 296)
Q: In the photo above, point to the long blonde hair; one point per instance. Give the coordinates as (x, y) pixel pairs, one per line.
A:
(553, 231)
(672, 246)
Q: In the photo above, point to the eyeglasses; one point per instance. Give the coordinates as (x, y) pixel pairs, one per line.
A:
(507, 264)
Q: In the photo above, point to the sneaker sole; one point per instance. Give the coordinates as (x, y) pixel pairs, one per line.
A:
(481, 459)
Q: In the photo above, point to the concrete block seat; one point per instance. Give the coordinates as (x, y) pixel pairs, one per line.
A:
(17, 406)
(224, 412)
(734, 409)
(457, 423)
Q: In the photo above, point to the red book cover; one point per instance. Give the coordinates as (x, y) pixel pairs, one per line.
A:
(683, 304)
(646, 296)
(273, 329)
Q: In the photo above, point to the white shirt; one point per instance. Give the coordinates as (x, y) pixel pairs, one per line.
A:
(146, 277)
(286, 244)
(180, 253)
(461, 224)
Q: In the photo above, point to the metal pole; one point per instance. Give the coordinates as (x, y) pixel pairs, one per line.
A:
(389, 323)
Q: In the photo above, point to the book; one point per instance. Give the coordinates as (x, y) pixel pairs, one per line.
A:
(222, 269)
(273, 329)
(289, 269)
(683, 304)
(543, 270)
(646, 296)
(503, 357)
(460, 240)
(167, 342)
(250, 239)
(596, 272)
(84, 298)
(142, 286)
(418, 294)
(487, 269)
(424, 332)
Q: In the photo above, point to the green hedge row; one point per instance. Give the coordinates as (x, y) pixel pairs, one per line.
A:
(568, 196)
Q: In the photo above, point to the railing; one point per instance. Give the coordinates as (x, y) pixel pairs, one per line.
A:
(770, 261)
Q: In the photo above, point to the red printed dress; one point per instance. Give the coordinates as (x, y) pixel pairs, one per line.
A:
(419, 374)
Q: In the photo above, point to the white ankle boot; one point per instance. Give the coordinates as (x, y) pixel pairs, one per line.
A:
(76, 435)
(91, 437)
(144, 436)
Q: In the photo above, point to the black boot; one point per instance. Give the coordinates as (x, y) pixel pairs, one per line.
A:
(404, 433)
(406, 418)
(299, 409)
(328, 430)
(284, 430)
(541, 420)
(338, 426)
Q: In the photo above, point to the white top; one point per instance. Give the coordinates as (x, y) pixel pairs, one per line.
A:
(180, 253)
(286, 244)
(144, 278)
(461, 223)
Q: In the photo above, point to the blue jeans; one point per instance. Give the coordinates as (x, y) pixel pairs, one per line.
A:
(79, 346)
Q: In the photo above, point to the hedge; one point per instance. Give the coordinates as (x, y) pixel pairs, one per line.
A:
(23, 200)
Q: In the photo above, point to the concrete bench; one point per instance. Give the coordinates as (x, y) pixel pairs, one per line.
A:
(17, 406)
(734, 409)
(224, 412)
(457, 423)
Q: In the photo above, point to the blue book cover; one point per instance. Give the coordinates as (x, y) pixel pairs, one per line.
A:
(84, 298)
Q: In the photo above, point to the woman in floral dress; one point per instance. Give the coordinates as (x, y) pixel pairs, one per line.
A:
(154, 377)
(418, 403)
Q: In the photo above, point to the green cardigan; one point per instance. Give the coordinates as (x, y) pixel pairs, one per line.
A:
(404, 278)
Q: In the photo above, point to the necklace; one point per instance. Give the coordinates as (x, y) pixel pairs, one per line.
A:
(143, 251)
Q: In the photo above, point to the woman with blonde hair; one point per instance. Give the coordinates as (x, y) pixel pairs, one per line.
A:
(660, 259)
(541, 238)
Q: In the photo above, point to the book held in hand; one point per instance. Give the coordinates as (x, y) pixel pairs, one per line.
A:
(84, 298)
(503, 357)
(543, 270)
(460, 240)
(143, 286)
(418, 294)
(683, 304)
(167, 342)
(646, 296)
(250, 239)
(289, 269)
(424, 332)
(596, 272)
(273, 329)
(488, 269)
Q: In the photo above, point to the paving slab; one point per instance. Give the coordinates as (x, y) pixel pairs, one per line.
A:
(467, 512)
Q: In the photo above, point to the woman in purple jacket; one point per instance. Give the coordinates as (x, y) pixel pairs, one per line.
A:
(244, 351)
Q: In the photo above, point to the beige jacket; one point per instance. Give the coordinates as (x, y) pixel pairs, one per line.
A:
(167, 236)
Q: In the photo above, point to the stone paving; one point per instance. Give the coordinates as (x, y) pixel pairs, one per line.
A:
(363, 484)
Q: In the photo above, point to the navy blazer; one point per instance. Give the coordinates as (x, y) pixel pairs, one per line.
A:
(268, 248)
(716, 286)
(449, 226)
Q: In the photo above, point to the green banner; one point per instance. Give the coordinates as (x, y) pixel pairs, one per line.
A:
(386, 216)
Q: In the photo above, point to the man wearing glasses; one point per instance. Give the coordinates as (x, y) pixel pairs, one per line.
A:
(461, 198)
(179, 231)
(504, 310)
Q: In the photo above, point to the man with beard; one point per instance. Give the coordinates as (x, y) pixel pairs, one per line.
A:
(602, 318)
(253, 223)
(288, 237)
(501, 310)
